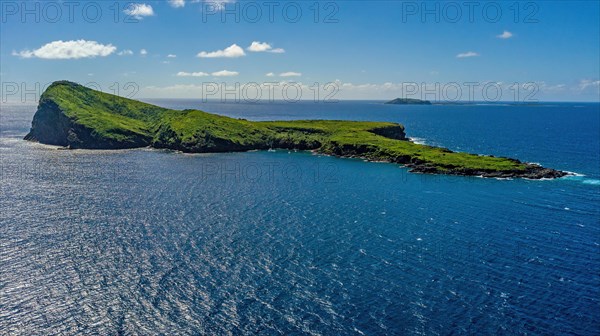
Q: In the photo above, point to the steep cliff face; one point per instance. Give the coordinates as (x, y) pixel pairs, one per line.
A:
(395, 132)
(50, 125)
(58, 123)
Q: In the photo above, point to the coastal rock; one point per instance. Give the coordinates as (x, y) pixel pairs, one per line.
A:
(393, 132)
(532, 172)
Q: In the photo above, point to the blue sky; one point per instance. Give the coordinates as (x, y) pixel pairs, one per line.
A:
(369, 49)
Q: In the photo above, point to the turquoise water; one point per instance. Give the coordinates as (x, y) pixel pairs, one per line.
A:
(150, 242)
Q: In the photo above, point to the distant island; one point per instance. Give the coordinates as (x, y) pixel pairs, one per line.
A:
(408, 101)
(75, 116)
(413, 101)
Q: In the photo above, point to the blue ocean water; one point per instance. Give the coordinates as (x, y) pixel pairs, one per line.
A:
(157, 242)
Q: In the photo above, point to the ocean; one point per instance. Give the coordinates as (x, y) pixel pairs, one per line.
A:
(158, 242)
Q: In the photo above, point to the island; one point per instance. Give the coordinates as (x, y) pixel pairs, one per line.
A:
(408, 101)
(77, 117)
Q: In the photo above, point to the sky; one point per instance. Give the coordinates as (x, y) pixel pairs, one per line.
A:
(328, 50)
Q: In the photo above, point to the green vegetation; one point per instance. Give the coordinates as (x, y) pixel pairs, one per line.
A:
(78, 117)
(109, 118)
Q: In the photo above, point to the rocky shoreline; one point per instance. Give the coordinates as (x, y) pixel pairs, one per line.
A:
(532, 171)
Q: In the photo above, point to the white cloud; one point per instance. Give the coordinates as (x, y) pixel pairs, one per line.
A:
(545, 87)
(263, 47)
(177, 3)
(505, 35)
(259, 46)
(270, 74)
(215, 4)
(225, 73)
(192, 74)
(138, 10)
(69, 50)
(171, 56)
(232, 51)
(467, 54)
(290, 74)
(143, 52)
(222, 73)
(586, 83)
(125, 52)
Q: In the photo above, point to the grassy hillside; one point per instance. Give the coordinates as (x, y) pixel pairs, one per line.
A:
(75, 116)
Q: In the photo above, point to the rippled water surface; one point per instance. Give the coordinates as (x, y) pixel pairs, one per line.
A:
(156, 242)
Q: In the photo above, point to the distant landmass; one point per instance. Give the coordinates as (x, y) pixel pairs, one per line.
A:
(413, 101)
(408, 101)
(75, 116)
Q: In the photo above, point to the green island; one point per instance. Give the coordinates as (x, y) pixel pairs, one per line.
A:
(75, 116)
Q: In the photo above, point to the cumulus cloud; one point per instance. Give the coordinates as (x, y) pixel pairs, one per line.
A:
(171, 56)
(263, 47)
(290, 74)
(139, 10)
(231, 52)
(125, 52)
(192, 74)
(225, 73)
(143, 52)
(467, 54)
(270, 74)
(259, 46)
(69, 50)
(505, 35)
(177, 3)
